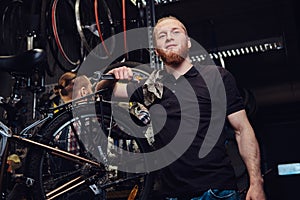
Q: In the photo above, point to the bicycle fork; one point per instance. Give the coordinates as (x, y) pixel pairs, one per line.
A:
(5, 132)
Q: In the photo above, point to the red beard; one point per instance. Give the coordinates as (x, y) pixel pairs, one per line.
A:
(170, 58)
(173, 58)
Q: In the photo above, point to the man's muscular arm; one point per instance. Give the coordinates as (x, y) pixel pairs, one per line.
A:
(249, 150)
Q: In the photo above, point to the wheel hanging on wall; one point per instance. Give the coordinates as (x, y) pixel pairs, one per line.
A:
(64, 41)
(94, 25)
(13, 28)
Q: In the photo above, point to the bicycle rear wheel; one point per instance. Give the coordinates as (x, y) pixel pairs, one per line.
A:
(85, 179)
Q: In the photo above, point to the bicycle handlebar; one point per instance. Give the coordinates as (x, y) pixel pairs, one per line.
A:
(69, 104)
(107, 77)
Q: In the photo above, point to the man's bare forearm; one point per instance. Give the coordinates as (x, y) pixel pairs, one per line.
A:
(249, 150)
(105, 84)
(250, 153)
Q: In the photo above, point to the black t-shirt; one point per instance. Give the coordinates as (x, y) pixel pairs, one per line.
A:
(194, 105)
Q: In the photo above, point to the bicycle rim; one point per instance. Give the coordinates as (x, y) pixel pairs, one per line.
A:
(94, 24)
(13, 31)
(140, 71)
(68, 46)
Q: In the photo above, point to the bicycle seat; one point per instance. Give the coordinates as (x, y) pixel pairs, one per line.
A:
(22, 63)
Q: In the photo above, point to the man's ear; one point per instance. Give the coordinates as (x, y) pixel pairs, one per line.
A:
(83, 91)
(189, 42)
(157, 54)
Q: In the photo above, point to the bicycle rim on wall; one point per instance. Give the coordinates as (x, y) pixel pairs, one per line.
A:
(95, 24)
(13, 30)
(64, 40)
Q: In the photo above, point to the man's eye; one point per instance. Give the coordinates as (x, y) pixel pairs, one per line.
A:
(161, 36)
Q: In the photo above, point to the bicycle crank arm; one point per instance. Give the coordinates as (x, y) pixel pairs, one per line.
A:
(121, 181)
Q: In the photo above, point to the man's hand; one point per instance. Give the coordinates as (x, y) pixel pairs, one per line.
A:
(256, 192)
(120, 73)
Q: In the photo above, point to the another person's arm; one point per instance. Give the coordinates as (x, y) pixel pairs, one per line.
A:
(249, 150)
(119, 89)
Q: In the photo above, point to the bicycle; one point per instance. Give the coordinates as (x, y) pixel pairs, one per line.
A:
(51, 172)
(27, 69)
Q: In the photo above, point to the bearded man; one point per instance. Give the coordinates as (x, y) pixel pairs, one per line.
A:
(190, 107)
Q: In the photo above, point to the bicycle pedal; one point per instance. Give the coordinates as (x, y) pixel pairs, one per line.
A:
(29, 181)
(95, 189)
(22, 179)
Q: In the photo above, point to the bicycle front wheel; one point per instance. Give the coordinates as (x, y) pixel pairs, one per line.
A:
(89, 174)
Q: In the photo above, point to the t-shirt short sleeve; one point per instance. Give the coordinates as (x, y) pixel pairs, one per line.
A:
(234, 99)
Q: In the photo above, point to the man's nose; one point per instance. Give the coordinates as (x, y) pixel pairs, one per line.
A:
(169, 36)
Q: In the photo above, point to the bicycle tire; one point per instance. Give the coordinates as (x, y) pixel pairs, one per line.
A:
(89, 27)
(65, 43)
(140, 71)
(13, 30)
(48, 175)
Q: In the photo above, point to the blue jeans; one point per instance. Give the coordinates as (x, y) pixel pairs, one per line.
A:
(215, 194)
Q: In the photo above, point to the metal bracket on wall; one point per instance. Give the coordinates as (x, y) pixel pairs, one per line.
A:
(240, 49)
(150, 19)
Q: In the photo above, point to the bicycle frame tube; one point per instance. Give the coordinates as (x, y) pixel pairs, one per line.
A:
(58, 152)
(26, 129)
(4, 133)
(3, 163)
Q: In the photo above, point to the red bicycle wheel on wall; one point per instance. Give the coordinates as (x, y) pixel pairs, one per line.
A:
(95, 24)
(64, 39)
